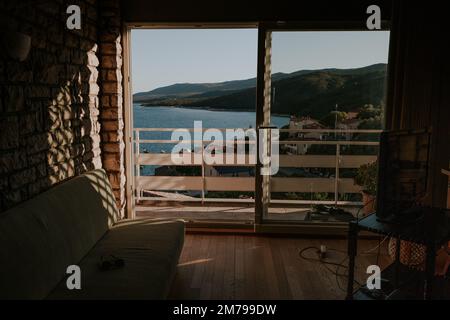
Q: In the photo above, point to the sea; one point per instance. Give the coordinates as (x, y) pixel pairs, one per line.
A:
(179, 117)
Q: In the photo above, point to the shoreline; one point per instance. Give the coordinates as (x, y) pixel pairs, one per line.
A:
(208, 109)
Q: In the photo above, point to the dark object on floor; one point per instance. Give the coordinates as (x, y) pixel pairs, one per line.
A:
(111, 263)
(323, 213)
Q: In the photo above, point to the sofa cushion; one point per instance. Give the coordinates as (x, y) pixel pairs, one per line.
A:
(43, 236)
(150, 250)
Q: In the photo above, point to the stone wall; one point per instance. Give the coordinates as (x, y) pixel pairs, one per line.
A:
(111, 111)
(50, 103)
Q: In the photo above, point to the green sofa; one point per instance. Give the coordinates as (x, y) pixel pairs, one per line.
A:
(76, 223)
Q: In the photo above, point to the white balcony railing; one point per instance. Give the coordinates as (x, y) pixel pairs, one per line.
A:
(158, 185)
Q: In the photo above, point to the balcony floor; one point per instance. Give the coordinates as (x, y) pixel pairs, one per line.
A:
(224, 212)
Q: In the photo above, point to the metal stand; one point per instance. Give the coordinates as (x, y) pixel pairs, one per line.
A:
(433, 232)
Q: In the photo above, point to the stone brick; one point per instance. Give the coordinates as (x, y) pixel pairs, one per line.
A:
(111, 62)
(36, 91)
(93, 102)
(38, 186)
(88, 156)
(37, 158)
(9, 133)
(111, 110)
(59, 154)
(116, 101)
(77, 56)
(90, 31)
(110, 36)
(105, 101)
(10, 162)
(3, 184)
(18, 72)
(115, 180)
(112, 136)
(50, 104)
(14, 98)
(111, 88)
(94, 89)
(109, 114)
(41, 170)
(95, 138)
(49, 7)
(92, 59)
(91, 74)
(111, 162)
(66, 170)
(72, 41)
(91, 12)
(111, 75)
(110, 48)
(37, 143)
(2, 70)
(27, 123)
(22, 178)
(50, 74)
(111, 125)
(76, 150)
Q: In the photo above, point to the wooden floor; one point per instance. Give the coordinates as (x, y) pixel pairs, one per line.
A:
(261, 267)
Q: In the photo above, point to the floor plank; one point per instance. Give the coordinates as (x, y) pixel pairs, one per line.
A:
(236, 266)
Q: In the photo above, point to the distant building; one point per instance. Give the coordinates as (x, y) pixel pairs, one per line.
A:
(303, 123)
(350, 123)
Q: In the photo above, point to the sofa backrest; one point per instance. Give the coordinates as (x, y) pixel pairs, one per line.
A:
(40, 238)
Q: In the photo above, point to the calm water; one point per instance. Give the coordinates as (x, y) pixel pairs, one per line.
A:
(169, 117)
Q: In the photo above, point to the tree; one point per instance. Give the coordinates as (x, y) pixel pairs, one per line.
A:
(330, 119)
(370, 123)
(369, 111)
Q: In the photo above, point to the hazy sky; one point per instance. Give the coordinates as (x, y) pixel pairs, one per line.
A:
(165, 57)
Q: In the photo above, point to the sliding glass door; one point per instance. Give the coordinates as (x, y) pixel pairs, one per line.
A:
(306, 154)
(194, 90)
(330, 85)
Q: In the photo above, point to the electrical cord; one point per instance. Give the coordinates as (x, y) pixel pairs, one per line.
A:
(339, 265)
(327, 264)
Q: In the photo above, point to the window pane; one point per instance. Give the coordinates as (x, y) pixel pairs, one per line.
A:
(332, 86)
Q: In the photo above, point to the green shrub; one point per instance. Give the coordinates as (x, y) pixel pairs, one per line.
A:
(367, 177)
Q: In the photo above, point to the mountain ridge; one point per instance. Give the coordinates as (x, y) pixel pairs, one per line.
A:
(303, 92)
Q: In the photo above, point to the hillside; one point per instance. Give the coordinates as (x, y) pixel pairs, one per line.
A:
(306, 92)
(202, 90)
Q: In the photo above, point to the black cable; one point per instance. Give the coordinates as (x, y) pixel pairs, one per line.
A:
(379, 251)
(338, 265)
(327, 264)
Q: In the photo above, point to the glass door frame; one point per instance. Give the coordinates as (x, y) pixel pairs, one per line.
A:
(261, 225)
(263, 86)
(128, 116)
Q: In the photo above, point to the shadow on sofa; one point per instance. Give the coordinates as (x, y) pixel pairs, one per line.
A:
(76, 223)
